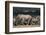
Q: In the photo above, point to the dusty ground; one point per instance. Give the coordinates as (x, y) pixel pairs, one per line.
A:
(23, 26)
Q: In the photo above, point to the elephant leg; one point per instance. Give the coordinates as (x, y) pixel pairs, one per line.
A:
(22, 21)
(28, 21)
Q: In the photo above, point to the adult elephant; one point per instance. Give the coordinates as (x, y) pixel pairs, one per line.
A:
(24, 19)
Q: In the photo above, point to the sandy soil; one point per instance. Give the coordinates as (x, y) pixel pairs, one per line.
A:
(23, 26)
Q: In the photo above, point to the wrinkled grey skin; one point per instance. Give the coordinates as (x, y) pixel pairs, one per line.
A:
(22, 19)
(36, 20)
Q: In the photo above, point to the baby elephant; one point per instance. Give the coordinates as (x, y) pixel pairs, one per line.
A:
(36, 20)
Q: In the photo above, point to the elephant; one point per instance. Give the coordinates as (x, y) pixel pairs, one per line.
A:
(35, 20)
(23, 19)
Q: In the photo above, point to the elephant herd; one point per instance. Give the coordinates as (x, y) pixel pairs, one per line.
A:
(21, 19)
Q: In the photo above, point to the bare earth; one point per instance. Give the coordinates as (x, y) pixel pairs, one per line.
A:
(23, 26)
